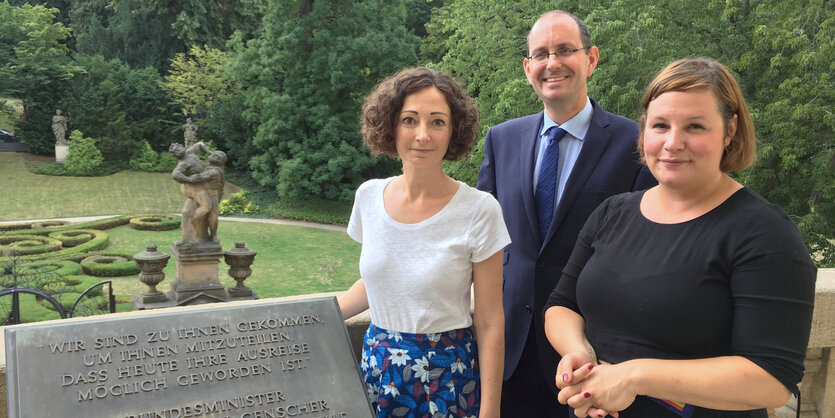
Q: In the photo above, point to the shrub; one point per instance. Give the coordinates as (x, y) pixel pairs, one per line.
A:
(17, 245)
(72, 238)
(109, 265)
(321, 211)
(15, 226)
(83, 157)
(155, 222)
(146, 159)
(238, 203)
(98, 242)
(167, 162)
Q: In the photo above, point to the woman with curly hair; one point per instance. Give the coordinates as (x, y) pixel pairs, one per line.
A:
(426, 241)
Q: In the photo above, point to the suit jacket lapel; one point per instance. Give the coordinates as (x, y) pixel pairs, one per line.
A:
(595, 143)
(527, 142)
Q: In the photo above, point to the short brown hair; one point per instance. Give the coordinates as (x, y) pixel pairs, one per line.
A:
(383, 105)
(708, 74)
(585, 34)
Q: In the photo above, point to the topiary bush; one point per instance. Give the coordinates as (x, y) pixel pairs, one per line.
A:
(50, 224)
(109, 265)
(73, 237)
(145, 159)
(99, 241)
(83, 157)
(155, 222)
(18, 245)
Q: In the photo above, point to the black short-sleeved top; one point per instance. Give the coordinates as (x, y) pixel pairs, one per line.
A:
(737, 280)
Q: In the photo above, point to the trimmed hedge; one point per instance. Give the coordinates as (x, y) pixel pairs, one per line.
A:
(99, 241)
(17, 227)
(73, 238)
(321, 211)
(155, 222)
(50, 224)
(100, 224)
(20, 245)
(109, 265)
(63, 267)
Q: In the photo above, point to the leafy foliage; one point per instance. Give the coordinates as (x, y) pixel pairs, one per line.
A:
(146, 159)
(148, 33)
(35, 67)
(320, 211)
(305, 75)
(120, 106)
(781, 52)
(167, 162)
(83, 157)
(238, 203)
(196, 80)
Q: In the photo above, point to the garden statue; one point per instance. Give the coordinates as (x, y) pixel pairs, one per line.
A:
(59, 128)
(189, 133)
(202, 185)
(198, 253)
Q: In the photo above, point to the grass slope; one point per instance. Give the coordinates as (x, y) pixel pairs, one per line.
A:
(33, 196)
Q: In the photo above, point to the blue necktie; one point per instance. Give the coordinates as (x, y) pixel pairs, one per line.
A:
(546, 186)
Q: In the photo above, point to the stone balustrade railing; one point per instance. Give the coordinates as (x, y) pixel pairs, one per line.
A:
(817, 387)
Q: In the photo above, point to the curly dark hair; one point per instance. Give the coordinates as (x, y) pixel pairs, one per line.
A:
(382, 108)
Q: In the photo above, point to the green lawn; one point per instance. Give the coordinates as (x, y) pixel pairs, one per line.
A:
(291, 260)
(34, 196)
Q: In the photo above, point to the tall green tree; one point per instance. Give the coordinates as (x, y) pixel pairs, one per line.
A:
(482, 43)
(151, 32)
(129, 30)
(196, 80)
(305, 76)
(121, 107)
(34, 67)
(790, 74)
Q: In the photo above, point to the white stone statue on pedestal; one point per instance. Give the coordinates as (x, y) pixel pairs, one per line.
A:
(59, 128)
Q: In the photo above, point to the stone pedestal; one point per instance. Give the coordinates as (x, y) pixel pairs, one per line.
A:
(61, 153)
(197, 274)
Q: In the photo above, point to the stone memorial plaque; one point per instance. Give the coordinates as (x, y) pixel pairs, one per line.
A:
(270, 360)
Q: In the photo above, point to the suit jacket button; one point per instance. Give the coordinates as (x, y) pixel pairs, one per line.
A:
(528, 309)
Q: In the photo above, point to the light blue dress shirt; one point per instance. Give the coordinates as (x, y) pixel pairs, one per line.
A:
(570, 146)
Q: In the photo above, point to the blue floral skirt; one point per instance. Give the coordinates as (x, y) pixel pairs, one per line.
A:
(421, 375)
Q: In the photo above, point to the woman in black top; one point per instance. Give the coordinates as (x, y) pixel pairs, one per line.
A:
(693, 298)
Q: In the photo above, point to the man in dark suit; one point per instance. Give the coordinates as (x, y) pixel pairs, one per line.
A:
(547, 195)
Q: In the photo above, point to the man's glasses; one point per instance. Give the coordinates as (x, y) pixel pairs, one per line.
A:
(562, 53)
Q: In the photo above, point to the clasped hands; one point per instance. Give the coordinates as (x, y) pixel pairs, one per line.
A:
(593, 390)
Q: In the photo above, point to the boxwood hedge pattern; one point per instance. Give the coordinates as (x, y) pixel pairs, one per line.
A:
(155, 222)
(74, 253)
(22, 245)
(109, 265)
(73, 238)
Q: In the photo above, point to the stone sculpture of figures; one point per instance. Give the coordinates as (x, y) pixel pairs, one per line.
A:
(59, 128)
(211, 179)
(195, 217)
(189, 133)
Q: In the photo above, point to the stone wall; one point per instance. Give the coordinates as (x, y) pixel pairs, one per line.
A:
(817, 387)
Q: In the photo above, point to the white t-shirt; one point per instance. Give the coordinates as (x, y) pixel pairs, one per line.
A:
(418, 276)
